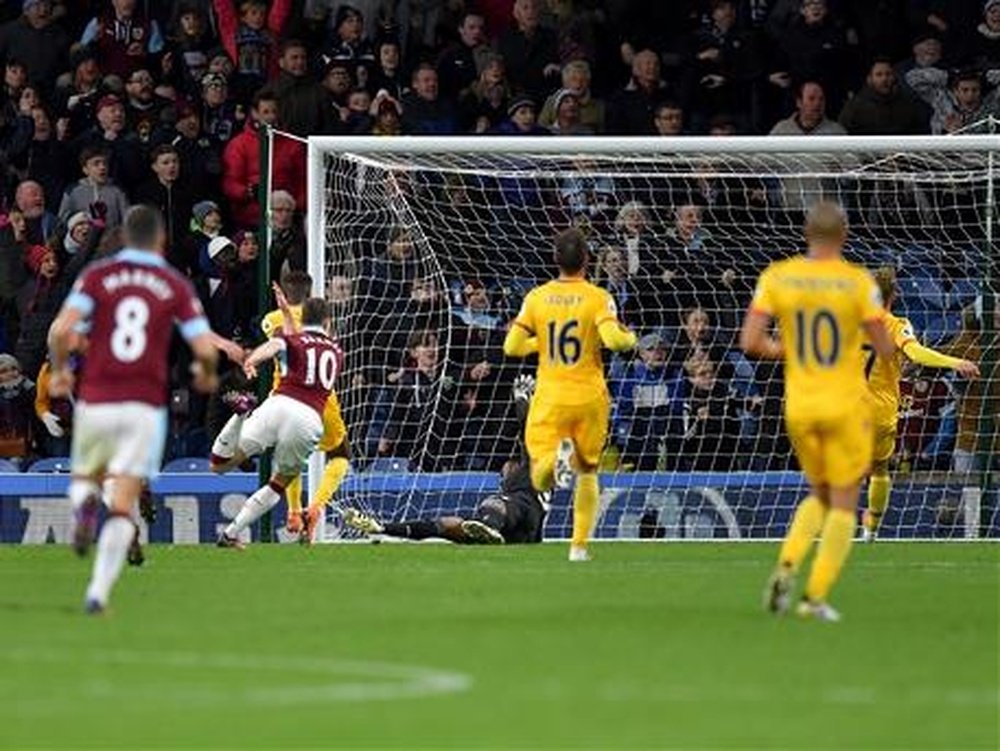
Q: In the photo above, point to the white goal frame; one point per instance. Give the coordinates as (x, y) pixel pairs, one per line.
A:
(319, 146)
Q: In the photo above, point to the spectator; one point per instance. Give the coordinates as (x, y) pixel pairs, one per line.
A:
(15, 136)
(166, 190)
(13, 274)
(637, 300)
(221, 118)
(37, 41)
(576, 79)
(288, 242)
(928, 52)
(359, 120)
(956, 101)
(17, 397)
(882, 107)
(43, 269)
(530, 51)
(646, 406)
(985, 43)
(483, 105)
(475, 310)
(199, 153)
(635, 237)
(143, 107)
(458, 65)
(55, 413)
(711, 421)
(388, 119)
(122, 148)
(586, 194)
(95, 193)
(221, 285)
(77, 98)
(124, 37)
(241, 163)
(205, 225)
(318, 12)
(189, 41)
(423, 404)
(568, 121)
(79, 234)
(39, 222)
(697, 339)
(250, 38)
(350, 45)
(338, 83)
(815, 46)
(668, 119)
(809, 118)
(724, 65)
(424, 111)
(45, 158)
(303, 107)
(631, 109)
(386, 75)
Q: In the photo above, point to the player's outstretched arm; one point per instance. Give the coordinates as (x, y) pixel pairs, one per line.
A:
(616, 336)
(755, 338)
(287, 319)
(519, 342)
(229, 348)
(263, 353)
(204, 347)
(922, 355)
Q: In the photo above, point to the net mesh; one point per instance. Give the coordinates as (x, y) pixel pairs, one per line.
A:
(428, 257)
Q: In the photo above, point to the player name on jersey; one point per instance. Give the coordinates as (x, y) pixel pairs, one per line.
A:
(138, 277)
(312, 363)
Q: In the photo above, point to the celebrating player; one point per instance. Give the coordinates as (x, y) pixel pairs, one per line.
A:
(290, 420)
(883, 375)
(822, 304)
(566, 321)
(294, 289)
(130, 302)
(514, 515)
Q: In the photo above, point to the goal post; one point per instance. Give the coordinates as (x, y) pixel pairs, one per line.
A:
(426, 245)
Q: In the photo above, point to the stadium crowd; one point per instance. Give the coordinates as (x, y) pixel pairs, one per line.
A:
(106, 103)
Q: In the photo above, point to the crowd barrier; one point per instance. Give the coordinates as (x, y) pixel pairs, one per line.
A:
(192, 508)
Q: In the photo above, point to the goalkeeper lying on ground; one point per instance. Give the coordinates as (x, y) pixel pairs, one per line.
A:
(515, 514)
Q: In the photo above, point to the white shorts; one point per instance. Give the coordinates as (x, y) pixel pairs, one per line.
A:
(123, 438)
(292, 428)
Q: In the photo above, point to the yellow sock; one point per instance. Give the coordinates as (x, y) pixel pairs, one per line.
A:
(586, 498)
(293, 494)
(879, 487)
(333, 475)
(806, 524)
(834, 545)
(542, 473)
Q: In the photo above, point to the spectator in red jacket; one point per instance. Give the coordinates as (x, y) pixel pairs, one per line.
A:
(241, 163)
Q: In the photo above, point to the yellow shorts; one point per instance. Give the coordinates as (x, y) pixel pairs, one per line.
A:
(334, 430)
(586, 424)
(833, 450)
(885, 442)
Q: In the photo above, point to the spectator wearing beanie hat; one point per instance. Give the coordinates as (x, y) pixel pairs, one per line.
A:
(77, 233)
(17, 398)
(40, 261)
(521, 119)
(349, 44)
(206, 224)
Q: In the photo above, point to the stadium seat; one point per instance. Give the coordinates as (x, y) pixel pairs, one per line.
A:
(390, 465)
(186, 464)
(56, 465)
(6, 466)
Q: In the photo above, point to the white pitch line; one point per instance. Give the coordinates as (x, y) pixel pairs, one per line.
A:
(361, 680)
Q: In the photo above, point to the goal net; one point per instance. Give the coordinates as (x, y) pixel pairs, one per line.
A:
(426, 248)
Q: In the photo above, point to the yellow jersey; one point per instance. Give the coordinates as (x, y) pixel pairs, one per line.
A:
(820, 306)
(884, 374)
(565, 315)
(271, 324)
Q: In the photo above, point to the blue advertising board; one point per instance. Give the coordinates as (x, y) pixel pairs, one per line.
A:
(192, 508)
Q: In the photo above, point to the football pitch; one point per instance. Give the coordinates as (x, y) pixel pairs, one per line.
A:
(649, 645)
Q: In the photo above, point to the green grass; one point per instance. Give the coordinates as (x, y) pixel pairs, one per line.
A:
(656, 645)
